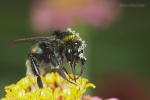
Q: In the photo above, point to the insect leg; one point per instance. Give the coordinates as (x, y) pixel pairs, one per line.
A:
(62, 73)
(35, 70)
(81, 71)
(73, 71)
(65, 70)
(82, 62)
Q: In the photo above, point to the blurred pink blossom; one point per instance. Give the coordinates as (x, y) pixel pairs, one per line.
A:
(112, 99)
(124, 86)
(57, 14)
(95, 98)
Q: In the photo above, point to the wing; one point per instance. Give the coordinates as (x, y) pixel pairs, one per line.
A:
(30, 39)
(39, 37)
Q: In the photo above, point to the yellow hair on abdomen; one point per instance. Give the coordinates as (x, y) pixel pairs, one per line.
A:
(36, 49)
(71, 38)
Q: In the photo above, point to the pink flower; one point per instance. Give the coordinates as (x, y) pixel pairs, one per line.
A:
(95, 98)
(57, 14)
(112, 99)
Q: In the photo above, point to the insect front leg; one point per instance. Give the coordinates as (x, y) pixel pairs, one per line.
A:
(34, 67)
(63, 75)
(82, 62)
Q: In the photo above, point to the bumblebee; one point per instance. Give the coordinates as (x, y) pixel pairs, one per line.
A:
(52, 53)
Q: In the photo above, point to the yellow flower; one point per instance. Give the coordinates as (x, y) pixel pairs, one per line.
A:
(55, 88)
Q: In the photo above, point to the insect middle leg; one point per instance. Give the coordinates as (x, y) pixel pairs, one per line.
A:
(35, 70)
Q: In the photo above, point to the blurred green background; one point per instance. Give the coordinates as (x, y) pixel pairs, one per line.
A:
(118, 56)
